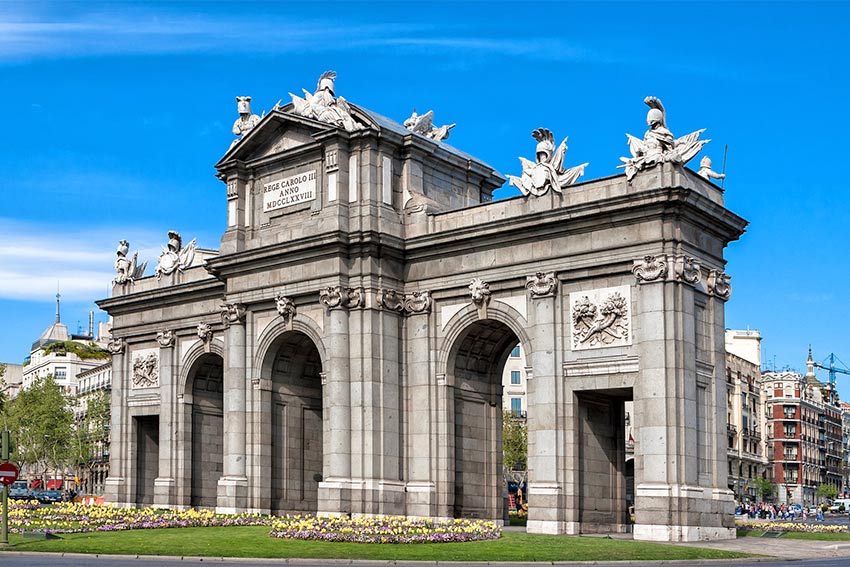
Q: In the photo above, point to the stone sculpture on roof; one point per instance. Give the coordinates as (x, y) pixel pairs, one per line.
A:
(706, 172)
(548, 171)
(126, 270)
(175, 256)
(246, 121)
(424, 124)
(324, 106)
(658, 144)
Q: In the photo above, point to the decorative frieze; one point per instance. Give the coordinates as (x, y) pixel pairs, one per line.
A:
(232, 314)
(145, 369)
(165, 338)
(719, 284)
(285, 307)
(331, 161)
(341, 297)
(687, 269)
(414, 302)
(542, 285)
(601, 318)
(650, 269)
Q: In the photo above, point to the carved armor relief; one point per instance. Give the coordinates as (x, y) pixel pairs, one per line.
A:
(145, 368)
(601, 318)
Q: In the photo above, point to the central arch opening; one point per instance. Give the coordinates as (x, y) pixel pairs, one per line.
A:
(478, 362)
(296, 424)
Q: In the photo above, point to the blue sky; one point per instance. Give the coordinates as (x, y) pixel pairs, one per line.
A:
(116, 113)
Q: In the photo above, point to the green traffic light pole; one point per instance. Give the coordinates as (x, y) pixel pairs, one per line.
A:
(4, 523)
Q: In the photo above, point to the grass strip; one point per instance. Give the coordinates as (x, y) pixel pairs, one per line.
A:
(254, 541)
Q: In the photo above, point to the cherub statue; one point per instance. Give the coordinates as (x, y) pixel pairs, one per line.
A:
(127, 271)
(323, 106)
(246, 120)
(658, 144)
(548, 170)
(706, 172)
(424, 124)
(175, 256)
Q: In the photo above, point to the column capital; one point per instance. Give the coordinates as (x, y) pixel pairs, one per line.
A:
(232, 314)
(334, 297)
(719, 284)
(166, 338)
(415, 302)
(542, 285)
(116, 345)
(650, 269)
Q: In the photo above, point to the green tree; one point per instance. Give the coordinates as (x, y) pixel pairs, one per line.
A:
(2, 394)
(514, 442)
(41, 422)
(766, 487)
(826, 491)
(92, 431)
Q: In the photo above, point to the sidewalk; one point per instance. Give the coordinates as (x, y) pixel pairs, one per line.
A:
(781, 548)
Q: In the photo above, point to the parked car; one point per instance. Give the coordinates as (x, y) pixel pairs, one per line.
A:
(837, 504)
(48, 496)
(19, 490)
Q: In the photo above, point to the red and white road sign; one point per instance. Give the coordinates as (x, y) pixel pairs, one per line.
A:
(8, 473)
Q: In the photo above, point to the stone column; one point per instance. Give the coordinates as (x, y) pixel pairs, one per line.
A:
(671, 491)
(164, 484)
(116, 485)
(233, 484)
(335, 488)
(546, 491)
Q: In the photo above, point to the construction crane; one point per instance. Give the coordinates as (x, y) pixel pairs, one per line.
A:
(831, 368)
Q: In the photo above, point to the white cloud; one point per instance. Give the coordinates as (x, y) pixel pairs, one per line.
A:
(80, 264)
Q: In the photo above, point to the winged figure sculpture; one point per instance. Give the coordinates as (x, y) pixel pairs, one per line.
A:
(658, 144)
(548, 171)
(424, 124)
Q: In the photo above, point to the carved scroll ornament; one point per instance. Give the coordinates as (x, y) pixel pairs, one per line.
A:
(651, 268)
(116, 345)
(338, 296)
(165, 338)
(719, 284)
(687, 269)
(542, 285)
(232, 313)
(417, 302)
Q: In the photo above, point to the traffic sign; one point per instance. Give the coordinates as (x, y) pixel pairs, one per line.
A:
(8, 473)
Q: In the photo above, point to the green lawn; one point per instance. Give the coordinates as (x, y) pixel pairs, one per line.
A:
(254, 541)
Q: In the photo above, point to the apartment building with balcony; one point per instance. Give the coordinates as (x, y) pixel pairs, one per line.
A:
(745, 427)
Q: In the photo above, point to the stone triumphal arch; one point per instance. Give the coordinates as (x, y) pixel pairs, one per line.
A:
(342, 352)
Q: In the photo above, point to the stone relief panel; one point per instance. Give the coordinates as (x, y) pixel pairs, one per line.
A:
(601, 318)
(145, 368)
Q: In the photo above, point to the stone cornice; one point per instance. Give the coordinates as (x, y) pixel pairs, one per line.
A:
(163, 296)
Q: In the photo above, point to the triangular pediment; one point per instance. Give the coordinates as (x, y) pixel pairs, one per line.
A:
(276, 132)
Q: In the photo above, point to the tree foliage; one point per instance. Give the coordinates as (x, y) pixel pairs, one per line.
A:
(2, 383)
(826, 491)
(41, 422)
(91, 433)
(514, 442)
(84, 351)
(766, 487)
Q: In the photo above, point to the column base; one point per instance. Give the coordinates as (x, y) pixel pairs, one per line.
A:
(376, 497)
(420, 499)
(655, 532)
(115, 489)
(232, 495)
(163, 492)
(335, 497)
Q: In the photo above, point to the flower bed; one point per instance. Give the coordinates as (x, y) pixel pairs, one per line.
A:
(792, 527)
(383, 529)
(75, 518)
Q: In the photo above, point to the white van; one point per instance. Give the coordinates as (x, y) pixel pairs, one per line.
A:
(836, 505)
